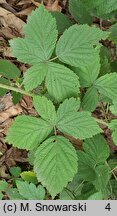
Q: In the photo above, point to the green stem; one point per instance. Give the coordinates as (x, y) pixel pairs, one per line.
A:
(53, 58)
(101, 122)
(11, 88)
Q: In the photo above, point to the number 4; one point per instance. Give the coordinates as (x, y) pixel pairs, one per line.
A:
(108, 207)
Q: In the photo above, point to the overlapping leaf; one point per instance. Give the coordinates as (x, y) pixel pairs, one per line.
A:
(61, 82)
(27, 132)
(62, 21)
(41, 36)
(75, 46)
(68, 106)
(9, 70)
(97, 149)
(88, 73)
(79, 125)
(79, 11)
(34, 76)
(45, 108)
(113, 35)
(100, 8)
(55, 164)
(102, 177)
(107, 85)
(90, 100)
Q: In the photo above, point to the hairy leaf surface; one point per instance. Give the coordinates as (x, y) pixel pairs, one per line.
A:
(79, 125)
(40, 38)
(107, 85)
(75, 46)
(27, 132)
(45, 108)
(55, 164)
(34, 76)
(61, 82)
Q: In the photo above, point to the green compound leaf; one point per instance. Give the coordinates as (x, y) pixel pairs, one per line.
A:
(90, 100)
(76, 46)
(113, 127)
(61, 82)
(68, 106)
(9, 70)
(41, 36)
(29, 191)
(97, 149)
(27, 132)
(107, 85)
(55, 164)
(79, 11)
(45, 108)
(34, 76)
(79, 125)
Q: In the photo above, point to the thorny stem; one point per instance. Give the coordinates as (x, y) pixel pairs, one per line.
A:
(32, 95)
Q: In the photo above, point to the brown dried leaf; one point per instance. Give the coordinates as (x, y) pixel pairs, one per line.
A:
(26, 11)
(8, 19)
(37, 4)
(53, 6)
(10, 112)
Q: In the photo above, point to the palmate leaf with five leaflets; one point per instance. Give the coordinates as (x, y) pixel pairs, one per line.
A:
(27, 132)
(55, 164)
(40, 39)
(76, 46)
